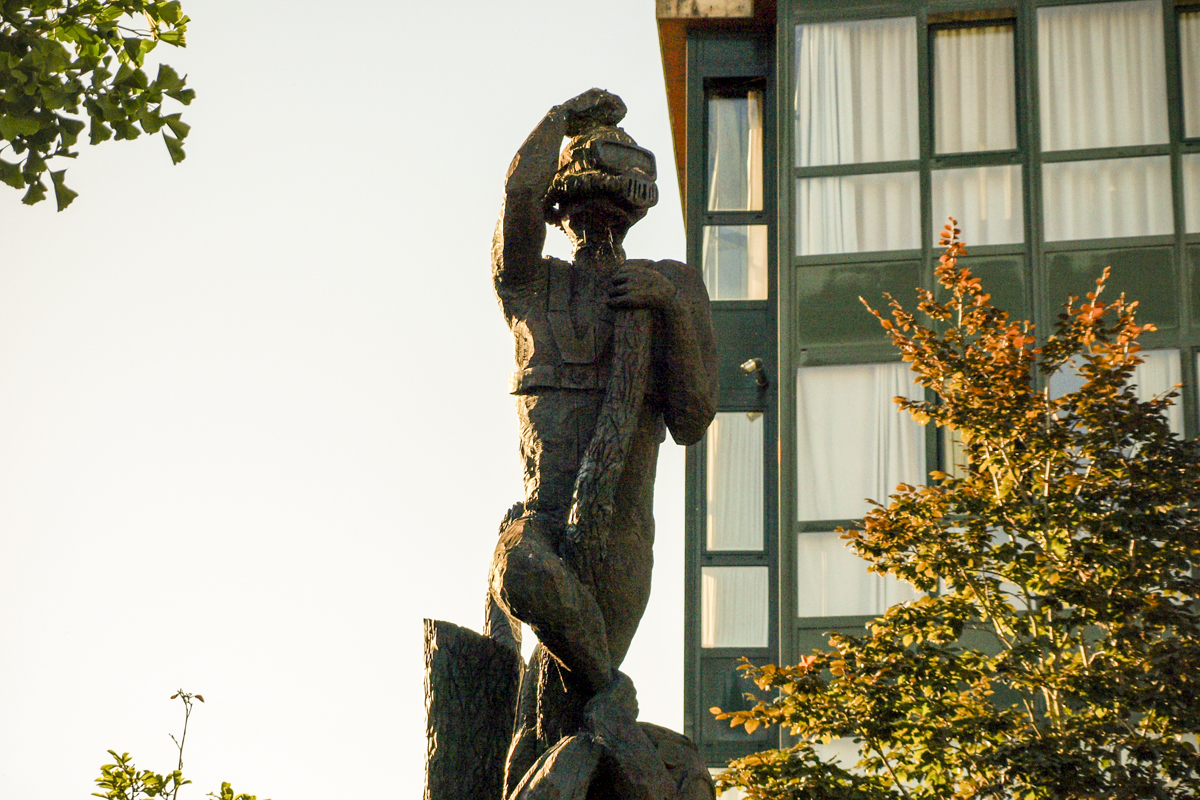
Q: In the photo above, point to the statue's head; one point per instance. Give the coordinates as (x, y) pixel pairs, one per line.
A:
(605, 183)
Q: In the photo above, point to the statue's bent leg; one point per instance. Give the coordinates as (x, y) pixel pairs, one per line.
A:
(532, 583)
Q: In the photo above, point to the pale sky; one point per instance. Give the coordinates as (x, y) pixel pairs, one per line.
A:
(253, 414)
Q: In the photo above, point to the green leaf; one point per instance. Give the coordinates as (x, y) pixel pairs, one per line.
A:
(174, 147)
(35, 194)
(13, 126)
(11, 174)
(177, 125)
(62, 195)
(98, 132)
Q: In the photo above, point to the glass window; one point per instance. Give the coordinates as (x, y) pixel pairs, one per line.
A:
(1191, 190)
(834, 582)
(734, 261)
(1158, 374)
(1102, 75)
(1189, 58)
(856, 92)
(858, 213)
(735, 152)
(974, 89)
(986, 201)
(853, 443)
(735, 481)
(1108, 197)
(733, 607)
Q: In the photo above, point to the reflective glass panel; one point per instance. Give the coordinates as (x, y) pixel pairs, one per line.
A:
(986, 201)
(858, 213)
(974, 89)
(735, 154)
(1191, 189)
(1108, 197)
(1102, 75)
(735, 481)
(852, 440)
(1189, 59)
(735, 262)
(834, 582)
(856, 92)
(733, 607)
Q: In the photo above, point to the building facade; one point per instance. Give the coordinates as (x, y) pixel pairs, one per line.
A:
(820, 145)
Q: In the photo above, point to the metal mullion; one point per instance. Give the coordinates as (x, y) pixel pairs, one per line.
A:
(735, 218)
(824, 525)
(736, 558)
(1029, 137)
(1173, 58)
(867, 257)
(925, 101)
(1098, 153)
(1114, 243)
(864, 168)
(983, 158)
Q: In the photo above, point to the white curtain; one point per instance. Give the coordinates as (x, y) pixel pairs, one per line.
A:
(856, 92)
(1108, 197)
(1102, 75)
(1158, 374)
(986, 201)
(1189, 59)
(858, 213)
(735, 165)
(853, 442)
(734, 262)
(735, 481)
(974, 85)
(833, 581)
(733, 607)
(1191, 188)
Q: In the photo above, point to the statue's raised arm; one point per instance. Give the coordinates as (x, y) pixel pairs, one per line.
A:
(521, 229)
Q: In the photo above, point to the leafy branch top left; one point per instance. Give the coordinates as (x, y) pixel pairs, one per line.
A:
(66, 66)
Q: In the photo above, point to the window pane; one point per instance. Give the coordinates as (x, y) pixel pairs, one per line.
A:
(856, 92)
(1102, 75)
(735, 165)
(858, 213)
(1191, 189)
(735, 481)
(986, 201)
(833, 581)
(735, 262)
(733, 607)
(1158, 374)
(974, 90)
(1189, 58)
(1109, 197)
(853, 442)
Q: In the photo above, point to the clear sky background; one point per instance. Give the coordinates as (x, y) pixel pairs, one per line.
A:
(253, 414)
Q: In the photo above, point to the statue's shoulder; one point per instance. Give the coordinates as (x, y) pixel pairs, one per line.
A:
(684, 276)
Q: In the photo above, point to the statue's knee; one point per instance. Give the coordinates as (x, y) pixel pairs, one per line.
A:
(522, 567)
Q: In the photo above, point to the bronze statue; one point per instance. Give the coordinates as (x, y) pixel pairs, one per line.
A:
(609, 352)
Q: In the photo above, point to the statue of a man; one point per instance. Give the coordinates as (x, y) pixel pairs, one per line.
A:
(609, 351)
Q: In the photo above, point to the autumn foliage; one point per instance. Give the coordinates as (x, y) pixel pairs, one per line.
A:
(1056, 650)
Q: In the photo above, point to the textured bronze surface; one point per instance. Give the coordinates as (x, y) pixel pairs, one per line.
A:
(610, 353)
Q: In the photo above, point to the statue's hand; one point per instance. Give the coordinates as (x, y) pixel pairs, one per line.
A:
(641, 287)
(593, 107)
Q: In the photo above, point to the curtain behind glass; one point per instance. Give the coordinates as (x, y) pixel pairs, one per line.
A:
(734, 262)
(856, 92)
(832, 581)
(1158, 374)
(1102, 75)
(986, 201)
(974, 90)
(735, 481)
(733, 607)
(735, 165)
(1191, 191)
(1189, 59)
(853, 442)
(1108, 197)
(858, 213)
